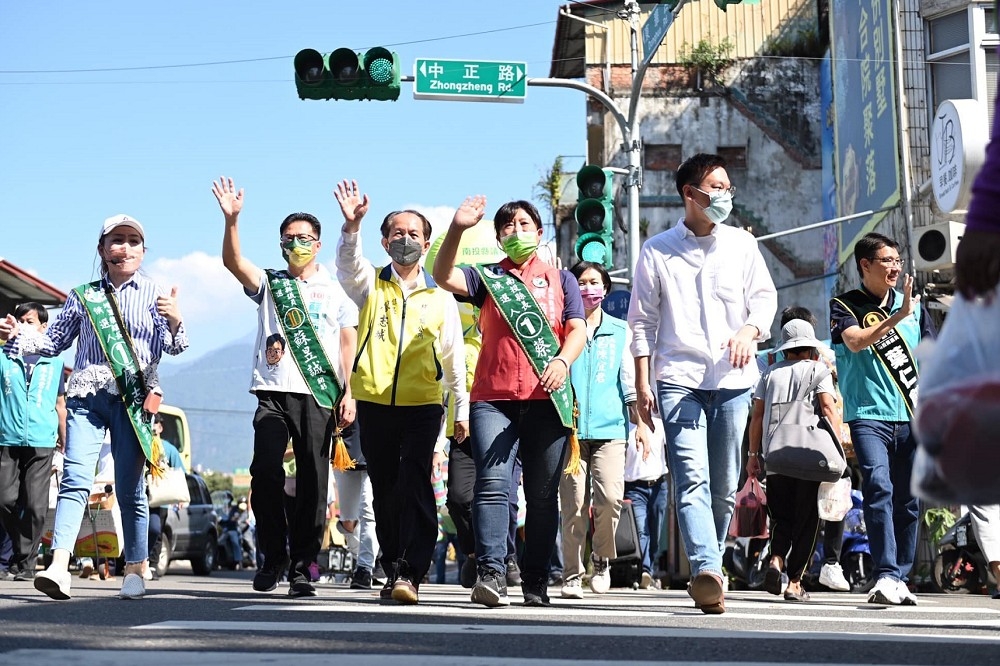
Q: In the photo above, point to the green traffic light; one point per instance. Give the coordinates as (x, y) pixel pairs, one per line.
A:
(346, 74)
(595, 215)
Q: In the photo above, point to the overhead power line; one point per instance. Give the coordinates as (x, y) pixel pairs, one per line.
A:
(216, 63)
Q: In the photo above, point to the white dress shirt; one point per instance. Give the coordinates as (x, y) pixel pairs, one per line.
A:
(690, 295)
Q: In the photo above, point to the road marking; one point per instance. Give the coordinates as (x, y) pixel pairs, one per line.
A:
(619, 631)
(204, 658)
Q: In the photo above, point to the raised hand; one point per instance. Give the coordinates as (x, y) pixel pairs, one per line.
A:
(910, 302)
(230, 201)
(8, 328)
(353, 204)
(166, 306)
(470, 212)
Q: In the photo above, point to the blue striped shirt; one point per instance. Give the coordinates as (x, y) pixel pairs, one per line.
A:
(150, 333)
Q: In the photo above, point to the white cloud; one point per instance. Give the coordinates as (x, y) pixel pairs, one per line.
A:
(215, 309)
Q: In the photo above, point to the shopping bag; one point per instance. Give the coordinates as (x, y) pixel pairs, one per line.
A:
(750, 514)
(833, 499)
(958, 410)
(170, 488)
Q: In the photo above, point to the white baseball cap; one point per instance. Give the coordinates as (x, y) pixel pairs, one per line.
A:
(121, 220)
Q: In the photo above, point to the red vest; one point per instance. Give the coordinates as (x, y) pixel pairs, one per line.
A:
(503, 371)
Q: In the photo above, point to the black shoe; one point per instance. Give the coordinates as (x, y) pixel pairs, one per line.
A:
(467, 575)
(301, 588)
(555, 580)
(535, 593)
(25, 575)
(378, 574)
(513, 572)
(361, 579)
(490, 589)
(386, 591)
(267, 577)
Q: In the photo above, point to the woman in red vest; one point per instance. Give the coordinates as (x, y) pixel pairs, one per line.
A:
(533, 328)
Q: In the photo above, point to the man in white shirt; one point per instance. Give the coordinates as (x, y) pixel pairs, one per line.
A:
(288, 405)
(701, 300)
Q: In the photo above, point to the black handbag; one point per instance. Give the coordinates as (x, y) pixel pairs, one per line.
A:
(803, 444)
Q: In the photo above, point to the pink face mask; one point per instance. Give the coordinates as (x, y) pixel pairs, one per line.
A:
(592, 296)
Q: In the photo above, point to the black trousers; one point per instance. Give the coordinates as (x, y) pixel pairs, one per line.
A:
(24, 499)
(398, 443)
(461, 483)
(791, 504)
(280, 417)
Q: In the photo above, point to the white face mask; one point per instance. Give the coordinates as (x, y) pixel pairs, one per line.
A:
(720, 205)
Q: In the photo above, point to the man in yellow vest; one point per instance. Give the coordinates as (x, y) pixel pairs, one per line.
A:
(410, 351)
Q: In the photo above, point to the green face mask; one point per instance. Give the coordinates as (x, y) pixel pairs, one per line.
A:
(519, 246)
(297, 253)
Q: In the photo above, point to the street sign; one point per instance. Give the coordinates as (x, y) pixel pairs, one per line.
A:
(616, 303)
(655, 29)
(470, 80)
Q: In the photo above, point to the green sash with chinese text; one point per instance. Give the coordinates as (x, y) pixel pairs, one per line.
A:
(115, 344)
(530, 327)
(303, 342)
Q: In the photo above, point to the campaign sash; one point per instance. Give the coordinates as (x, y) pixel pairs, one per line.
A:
(124, 366)
(891, 349)
(530, 328)
(303, 342)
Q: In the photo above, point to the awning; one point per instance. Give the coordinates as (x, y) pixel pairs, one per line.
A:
(18, 286)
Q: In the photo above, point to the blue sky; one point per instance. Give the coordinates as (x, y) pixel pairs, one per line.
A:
(79, 146)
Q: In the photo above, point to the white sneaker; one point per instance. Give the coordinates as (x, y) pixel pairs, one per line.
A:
(906, 597)
(600, 581)
(885, 592)
(832, 576)
(133, 587)
(572, 589)
(86, 567)
(147, 573)
(646, 581)
(54, 583)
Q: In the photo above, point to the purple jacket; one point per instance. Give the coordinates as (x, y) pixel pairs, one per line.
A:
(982, 215)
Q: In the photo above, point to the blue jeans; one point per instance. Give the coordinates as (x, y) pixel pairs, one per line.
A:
(704, 431)
(87, 419)
(885, 452)
(649, 503)
(502, 431)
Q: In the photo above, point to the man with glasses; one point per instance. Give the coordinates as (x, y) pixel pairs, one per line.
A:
(305, 345)
(874, 331)
(701, 301)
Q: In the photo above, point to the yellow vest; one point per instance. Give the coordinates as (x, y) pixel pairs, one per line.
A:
(398, 356)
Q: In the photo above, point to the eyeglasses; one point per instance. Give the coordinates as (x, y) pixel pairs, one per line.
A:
(718, 190)
(888, 261)
(302, 238)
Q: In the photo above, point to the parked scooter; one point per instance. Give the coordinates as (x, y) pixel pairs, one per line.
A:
(746, 561)
(960, 566)
(855, 555)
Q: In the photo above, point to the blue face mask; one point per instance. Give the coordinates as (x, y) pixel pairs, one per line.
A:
(720, 205)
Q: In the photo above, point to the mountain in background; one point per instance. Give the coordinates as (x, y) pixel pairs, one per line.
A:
(212, 391)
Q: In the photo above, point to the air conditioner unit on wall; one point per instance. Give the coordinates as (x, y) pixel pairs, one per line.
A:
(935, 245)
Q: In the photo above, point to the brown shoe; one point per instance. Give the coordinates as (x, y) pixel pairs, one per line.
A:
(706, 590)
(404, 591)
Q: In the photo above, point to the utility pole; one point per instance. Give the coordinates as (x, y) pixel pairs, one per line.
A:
(662, 17)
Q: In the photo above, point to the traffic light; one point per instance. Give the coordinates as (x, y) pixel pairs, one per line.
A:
(595, 215)
(346, 74)
(721, 4)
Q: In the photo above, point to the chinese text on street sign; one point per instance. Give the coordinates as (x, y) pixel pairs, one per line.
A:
(470, 80)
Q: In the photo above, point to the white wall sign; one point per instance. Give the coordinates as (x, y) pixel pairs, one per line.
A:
(958, 148)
